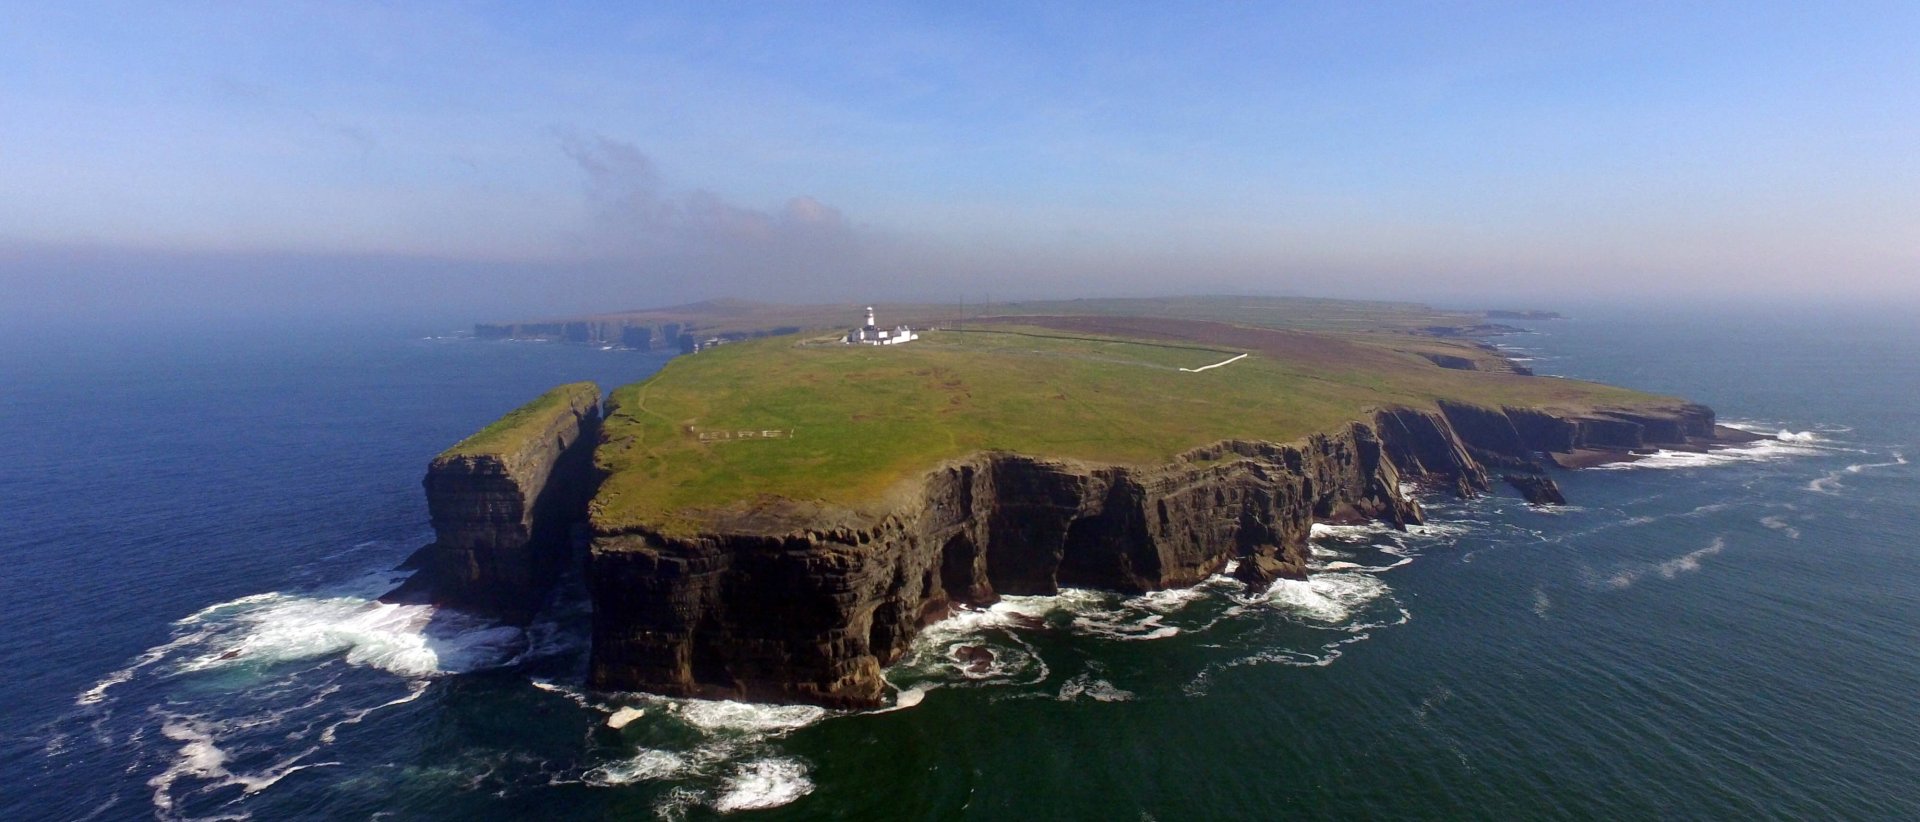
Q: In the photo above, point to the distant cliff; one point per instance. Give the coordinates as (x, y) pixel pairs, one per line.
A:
(639, 335)
(786, 609)
(503, 503)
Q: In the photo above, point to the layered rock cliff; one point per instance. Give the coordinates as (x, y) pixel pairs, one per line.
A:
(503, 504)
(809, 605)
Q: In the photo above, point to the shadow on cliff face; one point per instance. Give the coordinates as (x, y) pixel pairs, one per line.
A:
(505, 511)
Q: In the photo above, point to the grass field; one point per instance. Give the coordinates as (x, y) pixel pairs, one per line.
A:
(724, 316)
(511, 432)
(861, 419)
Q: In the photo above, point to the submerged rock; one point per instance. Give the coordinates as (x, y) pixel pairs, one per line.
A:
(973, 659)
(1538, 489)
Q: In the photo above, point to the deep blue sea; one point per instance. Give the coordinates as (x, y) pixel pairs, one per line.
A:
(196, 524)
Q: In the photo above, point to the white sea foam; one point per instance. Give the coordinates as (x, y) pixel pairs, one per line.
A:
(1084, 686)
(1318, 658)
(1830, 484)
(285, 654)
(747, 717)
(1166, 601)
(93, 695)
(1118, 625)
(1762, 451)
(408, 640)
(937, 650)
(1689, 561)
(764, 783)
(909, 698)
(1328, 598)
(201, 757)
(414, 691)
(732, 738)
(1436, 530)
(1780, 524)
(1349, 533)
(646, 765)
(1668, 569)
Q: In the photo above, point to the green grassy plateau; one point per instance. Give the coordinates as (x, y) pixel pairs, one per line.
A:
(511, 432)
(847, 423)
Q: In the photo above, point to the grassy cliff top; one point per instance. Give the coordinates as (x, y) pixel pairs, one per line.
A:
(512, 432)
(1302, 313)
(816, 422)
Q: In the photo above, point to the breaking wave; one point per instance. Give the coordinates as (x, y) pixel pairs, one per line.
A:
(1770, 450)
(1328, 598)
(729, 764)
(999, 646)
(249, 691)
(1831, 483)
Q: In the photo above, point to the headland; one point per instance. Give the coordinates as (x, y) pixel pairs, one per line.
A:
(775, 518)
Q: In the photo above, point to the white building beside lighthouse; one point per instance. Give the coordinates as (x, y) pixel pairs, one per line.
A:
(873, 334)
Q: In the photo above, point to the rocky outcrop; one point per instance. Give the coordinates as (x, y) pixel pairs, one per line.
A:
(503, 508)
(1537, 489)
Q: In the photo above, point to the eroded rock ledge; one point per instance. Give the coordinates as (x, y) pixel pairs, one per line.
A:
(781, 606)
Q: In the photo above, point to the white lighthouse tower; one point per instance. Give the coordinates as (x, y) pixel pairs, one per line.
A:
(873, 334)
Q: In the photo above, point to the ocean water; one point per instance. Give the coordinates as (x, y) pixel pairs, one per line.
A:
(197, 525)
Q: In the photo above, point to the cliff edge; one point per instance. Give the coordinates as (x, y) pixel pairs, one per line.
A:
(777, 519)
(795, 602)
(503, 503)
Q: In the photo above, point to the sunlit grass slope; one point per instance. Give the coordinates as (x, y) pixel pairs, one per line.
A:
(847, 422)
(510, 433)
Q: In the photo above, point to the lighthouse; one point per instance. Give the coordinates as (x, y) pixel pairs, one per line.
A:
(872, 334)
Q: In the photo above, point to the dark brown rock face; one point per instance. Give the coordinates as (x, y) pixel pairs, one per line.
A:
(812, 612)
(813, 615)
(502, 521)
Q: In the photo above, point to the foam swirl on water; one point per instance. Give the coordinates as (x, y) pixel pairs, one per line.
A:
(250, 690)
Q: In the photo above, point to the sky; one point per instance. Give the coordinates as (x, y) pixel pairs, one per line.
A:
(506, 159)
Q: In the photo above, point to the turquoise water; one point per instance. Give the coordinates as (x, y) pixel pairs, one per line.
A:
(1732, 636)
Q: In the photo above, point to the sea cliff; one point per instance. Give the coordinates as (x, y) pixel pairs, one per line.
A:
(503, 504)
(793, 603)
(777, 519)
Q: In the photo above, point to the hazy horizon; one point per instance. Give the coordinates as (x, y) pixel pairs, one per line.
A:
(483, 162)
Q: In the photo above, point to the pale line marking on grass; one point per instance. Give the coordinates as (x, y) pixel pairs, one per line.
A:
(1215, 365)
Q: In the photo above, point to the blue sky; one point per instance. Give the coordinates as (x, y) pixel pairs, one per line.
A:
(658, 151)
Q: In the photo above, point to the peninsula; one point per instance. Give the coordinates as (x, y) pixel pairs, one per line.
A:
(776, 518)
